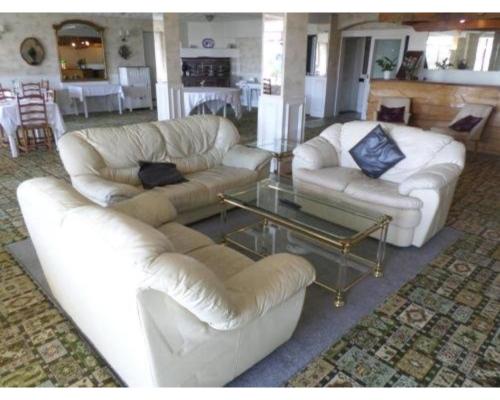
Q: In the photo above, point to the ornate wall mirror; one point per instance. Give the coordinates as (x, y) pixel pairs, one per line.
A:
(32, 51)
(80, 47)
(466, 50)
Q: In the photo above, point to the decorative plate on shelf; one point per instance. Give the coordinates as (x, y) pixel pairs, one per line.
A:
(208, 43)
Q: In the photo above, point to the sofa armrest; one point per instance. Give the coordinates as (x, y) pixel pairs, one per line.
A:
(266, 284)
(102, 191)
(240, 156)
(433, 177)
(192, 285)
(314, 154)
(230, 305)
(151, 207)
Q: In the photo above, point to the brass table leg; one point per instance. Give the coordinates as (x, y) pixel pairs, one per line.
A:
(339, 299)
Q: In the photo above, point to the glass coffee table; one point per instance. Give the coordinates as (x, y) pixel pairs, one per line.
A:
(303, 224)
(280, 150)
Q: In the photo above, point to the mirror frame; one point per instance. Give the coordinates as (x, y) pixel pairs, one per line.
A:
(99, 29)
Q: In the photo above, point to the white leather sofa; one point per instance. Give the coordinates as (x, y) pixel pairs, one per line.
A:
(161, 302)
(103, 162)
(417, 192)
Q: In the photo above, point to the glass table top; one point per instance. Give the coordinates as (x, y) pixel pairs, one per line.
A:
(277, 198)
(279, 147)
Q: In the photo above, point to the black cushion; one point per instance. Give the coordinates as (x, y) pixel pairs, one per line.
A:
(391, 114)
(466, 124)
(154, 174)
(376, 153)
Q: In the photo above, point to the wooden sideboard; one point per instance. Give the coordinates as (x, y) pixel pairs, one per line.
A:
(212, 71)
(435, 104)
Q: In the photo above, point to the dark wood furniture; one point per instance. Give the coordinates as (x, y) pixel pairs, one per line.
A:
(206, 71)
(34, 129)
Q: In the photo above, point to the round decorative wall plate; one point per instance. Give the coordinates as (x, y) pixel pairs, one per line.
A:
(208, 43)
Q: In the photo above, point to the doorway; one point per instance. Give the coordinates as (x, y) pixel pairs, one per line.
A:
(354, 66)
(359, 52)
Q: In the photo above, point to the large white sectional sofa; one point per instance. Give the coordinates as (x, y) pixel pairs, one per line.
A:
(417, 192)
(103, 162)
(164, 304)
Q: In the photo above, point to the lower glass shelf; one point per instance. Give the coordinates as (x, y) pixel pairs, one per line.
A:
(334, 271)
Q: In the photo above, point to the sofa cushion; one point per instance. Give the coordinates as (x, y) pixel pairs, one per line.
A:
(376, 153)
(151, 207)
(381, 192)
(184, 239)
(466, 124)
(153, 174)
(187, 195)
(334, 178)
(223, 261)
(391, 114)
(217, 179)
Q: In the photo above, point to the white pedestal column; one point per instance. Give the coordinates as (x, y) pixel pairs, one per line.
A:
(281, 115)
(169, 96)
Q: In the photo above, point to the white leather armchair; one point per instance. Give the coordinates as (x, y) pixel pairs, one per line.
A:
(417, 192)
(162, 303)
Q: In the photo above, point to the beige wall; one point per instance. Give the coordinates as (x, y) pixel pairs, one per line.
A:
(20, 26)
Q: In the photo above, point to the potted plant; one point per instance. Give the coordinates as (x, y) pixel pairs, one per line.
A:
(387, 65)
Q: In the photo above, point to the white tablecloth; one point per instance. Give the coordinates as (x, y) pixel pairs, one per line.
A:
(215, 97)
(105, 89)
(9, 119)
(81, 92)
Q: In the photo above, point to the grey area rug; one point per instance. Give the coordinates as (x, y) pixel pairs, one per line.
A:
(321, 324)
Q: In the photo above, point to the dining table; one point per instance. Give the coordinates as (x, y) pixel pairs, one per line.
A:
(82, 92)
(10, 120)
(215, 98)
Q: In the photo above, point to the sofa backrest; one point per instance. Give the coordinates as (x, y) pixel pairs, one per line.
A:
(421, 148)
(193, 143)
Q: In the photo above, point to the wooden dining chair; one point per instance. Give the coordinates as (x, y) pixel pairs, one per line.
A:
(34, 129)
(31, 89)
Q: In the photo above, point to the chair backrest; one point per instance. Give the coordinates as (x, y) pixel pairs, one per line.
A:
(5, 94)
(32, 111)
(31, 88)
(482, 111)
(266, 86)
(44, 84)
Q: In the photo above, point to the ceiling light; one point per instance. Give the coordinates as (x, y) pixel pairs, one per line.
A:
(462, 21)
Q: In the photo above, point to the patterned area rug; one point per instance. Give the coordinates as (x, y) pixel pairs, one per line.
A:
(442, 328)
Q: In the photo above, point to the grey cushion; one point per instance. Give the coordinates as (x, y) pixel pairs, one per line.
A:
(376, 153)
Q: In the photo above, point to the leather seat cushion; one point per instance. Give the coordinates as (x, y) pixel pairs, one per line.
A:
(184, 239)
(381, 192)
(187, 195)
(220, 178)
(223, 261)
(404, 218)
(335, 178)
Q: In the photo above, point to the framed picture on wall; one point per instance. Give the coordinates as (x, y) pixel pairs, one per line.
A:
(413, 62)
